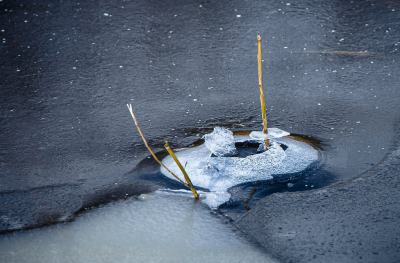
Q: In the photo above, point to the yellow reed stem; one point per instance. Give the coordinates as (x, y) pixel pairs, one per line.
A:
(169, 150)
(148, 147)
(260, 82)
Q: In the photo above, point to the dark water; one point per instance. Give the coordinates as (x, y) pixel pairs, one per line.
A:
(68, 68)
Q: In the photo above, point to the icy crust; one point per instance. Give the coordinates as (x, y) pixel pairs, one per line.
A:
(220, 142)
(218, 174)
(272, 133)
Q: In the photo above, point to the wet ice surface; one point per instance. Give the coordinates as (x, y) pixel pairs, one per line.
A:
(159, 227)
(68, 68)
(70, 56)
(219, 173)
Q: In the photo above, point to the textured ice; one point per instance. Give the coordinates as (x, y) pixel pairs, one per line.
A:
(218, 174)
(272, 133)
(220, 142)
(157, 227)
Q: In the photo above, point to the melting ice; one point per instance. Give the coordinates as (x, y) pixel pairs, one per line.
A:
(213, 167)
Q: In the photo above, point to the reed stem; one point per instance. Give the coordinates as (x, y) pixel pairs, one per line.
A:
(260, 82)
(148, 147)
(189, 182)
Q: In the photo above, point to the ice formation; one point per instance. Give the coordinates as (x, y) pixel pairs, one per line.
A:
(208, 168)
(272, 133)
(220, 142)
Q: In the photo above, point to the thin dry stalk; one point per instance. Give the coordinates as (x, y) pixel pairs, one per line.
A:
(148, 147)
(169, 150)
(260, 82)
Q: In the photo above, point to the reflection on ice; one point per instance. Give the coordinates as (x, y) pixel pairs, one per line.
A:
(218, 174)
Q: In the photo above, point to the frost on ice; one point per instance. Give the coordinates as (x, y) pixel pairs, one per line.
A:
(216, 165)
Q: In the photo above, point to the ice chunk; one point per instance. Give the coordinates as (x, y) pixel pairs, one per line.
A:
(220, 142)
(272, 133)
(214, 199)
(218, 174)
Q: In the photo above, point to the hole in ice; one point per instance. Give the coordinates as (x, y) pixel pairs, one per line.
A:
(249, 147)
(226, 160)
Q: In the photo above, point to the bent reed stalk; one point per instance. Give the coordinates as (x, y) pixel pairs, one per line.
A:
(260, 82)
(148, 147)
(169, 150)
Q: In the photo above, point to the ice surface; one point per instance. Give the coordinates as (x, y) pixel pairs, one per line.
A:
(220, 142)
(157, 227)
(218, 174)
(272, 133)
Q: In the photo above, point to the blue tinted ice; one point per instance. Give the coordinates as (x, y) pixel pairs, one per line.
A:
(220, 173)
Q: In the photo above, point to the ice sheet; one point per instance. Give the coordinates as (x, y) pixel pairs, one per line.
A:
(165, 226)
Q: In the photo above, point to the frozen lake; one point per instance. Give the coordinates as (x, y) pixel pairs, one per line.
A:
(68, 68)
